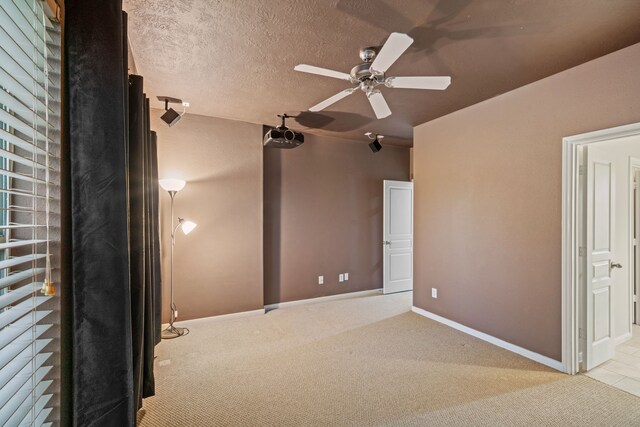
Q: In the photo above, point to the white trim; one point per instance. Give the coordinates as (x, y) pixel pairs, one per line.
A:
(604, 134)
(251, 313)
(634, 166)
(322, 299)
(570, 312)
(623, 338)
(536, 357)
(569, 248)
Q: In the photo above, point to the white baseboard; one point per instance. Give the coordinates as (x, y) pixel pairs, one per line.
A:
(624, 338)
(547, 361)
(251, 313)
(323, 299)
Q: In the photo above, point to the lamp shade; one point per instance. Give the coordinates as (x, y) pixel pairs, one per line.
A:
(170, 184)
(188, 226)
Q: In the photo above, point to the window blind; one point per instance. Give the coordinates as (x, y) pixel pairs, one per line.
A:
(29, 213)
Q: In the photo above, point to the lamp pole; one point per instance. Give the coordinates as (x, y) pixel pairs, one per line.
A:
(172, 186)
(171, 331)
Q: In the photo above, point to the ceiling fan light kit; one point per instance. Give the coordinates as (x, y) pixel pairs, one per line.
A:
(371, 73)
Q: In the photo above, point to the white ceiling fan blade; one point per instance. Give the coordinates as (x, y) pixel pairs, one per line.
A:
(434, 82)
(335, 98)
(395, 46)
(379, 104)
(322, 72)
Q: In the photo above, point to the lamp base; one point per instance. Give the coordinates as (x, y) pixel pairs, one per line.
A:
(172, 332)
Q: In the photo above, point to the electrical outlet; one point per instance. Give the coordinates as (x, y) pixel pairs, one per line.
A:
(341, 277)
(434, 293)
(320, 280)
(346, 276)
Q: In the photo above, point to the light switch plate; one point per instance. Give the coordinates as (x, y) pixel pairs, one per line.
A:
(434, 293)
(320, 280)
(341, 277)
(346, 276)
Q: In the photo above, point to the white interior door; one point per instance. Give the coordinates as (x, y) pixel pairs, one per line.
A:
(600, 222)
(398, 237)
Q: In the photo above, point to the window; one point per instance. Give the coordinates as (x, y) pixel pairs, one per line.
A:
(29, 213)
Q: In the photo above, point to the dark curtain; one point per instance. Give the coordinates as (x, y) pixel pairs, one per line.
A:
(137, 230)
(155, 239)
(96, 136)
(143, 225)
(112, 258)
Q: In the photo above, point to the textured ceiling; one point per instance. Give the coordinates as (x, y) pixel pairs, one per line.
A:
(235, 59)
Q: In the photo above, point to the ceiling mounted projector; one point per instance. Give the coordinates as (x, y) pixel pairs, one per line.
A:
(377, 139)
(171, 116)
(282, 136)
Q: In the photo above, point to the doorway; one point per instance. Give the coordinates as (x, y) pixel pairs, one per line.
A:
(397, 237)
(600, 248)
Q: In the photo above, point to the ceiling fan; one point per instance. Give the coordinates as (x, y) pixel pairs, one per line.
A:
(371, 73)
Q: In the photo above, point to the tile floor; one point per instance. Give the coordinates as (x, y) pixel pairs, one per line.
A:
(623, 371)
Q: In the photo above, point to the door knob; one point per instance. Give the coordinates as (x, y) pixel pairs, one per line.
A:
(386, 242)
(615, 265)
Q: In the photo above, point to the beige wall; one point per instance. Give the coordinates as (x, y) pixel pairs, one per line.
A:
(323, 216)
(488, 199)
(218, 267)
(411, 163)
(131, 61)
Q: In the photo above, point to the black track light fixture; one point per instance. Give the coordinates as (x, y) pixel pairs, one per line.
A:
(171, 116)
(377, 139)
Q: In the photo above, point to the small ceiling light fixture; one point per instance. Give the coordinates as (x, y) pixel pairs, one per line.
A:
(377, 139)
(171, 116)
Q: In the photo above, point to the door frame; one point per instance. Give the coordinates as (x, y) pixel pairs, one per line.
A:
(570, 236)
(634, 288)
(385, 212)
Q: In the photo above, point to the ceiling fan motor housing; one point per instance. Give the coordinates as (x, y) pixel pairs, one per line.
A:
(363, 75)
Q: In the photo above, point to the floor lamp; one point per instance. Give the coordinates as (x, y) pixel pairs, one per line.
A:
(172, 186)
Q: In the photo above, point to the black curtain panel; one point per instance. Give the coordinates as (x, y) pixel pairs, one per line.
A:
(95, 133)
(112, 249)
(149, 338)
(141, 234)
(142, 220)
(155, 240)
(137, 142)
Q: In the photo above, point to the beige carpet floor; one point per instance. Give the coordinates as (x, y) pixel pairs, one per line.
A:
(364, 362)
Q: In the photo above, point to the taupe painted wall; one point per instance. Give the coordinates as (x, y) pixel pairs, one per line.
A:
(488, 193)
(323, 216)
(218, 267)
